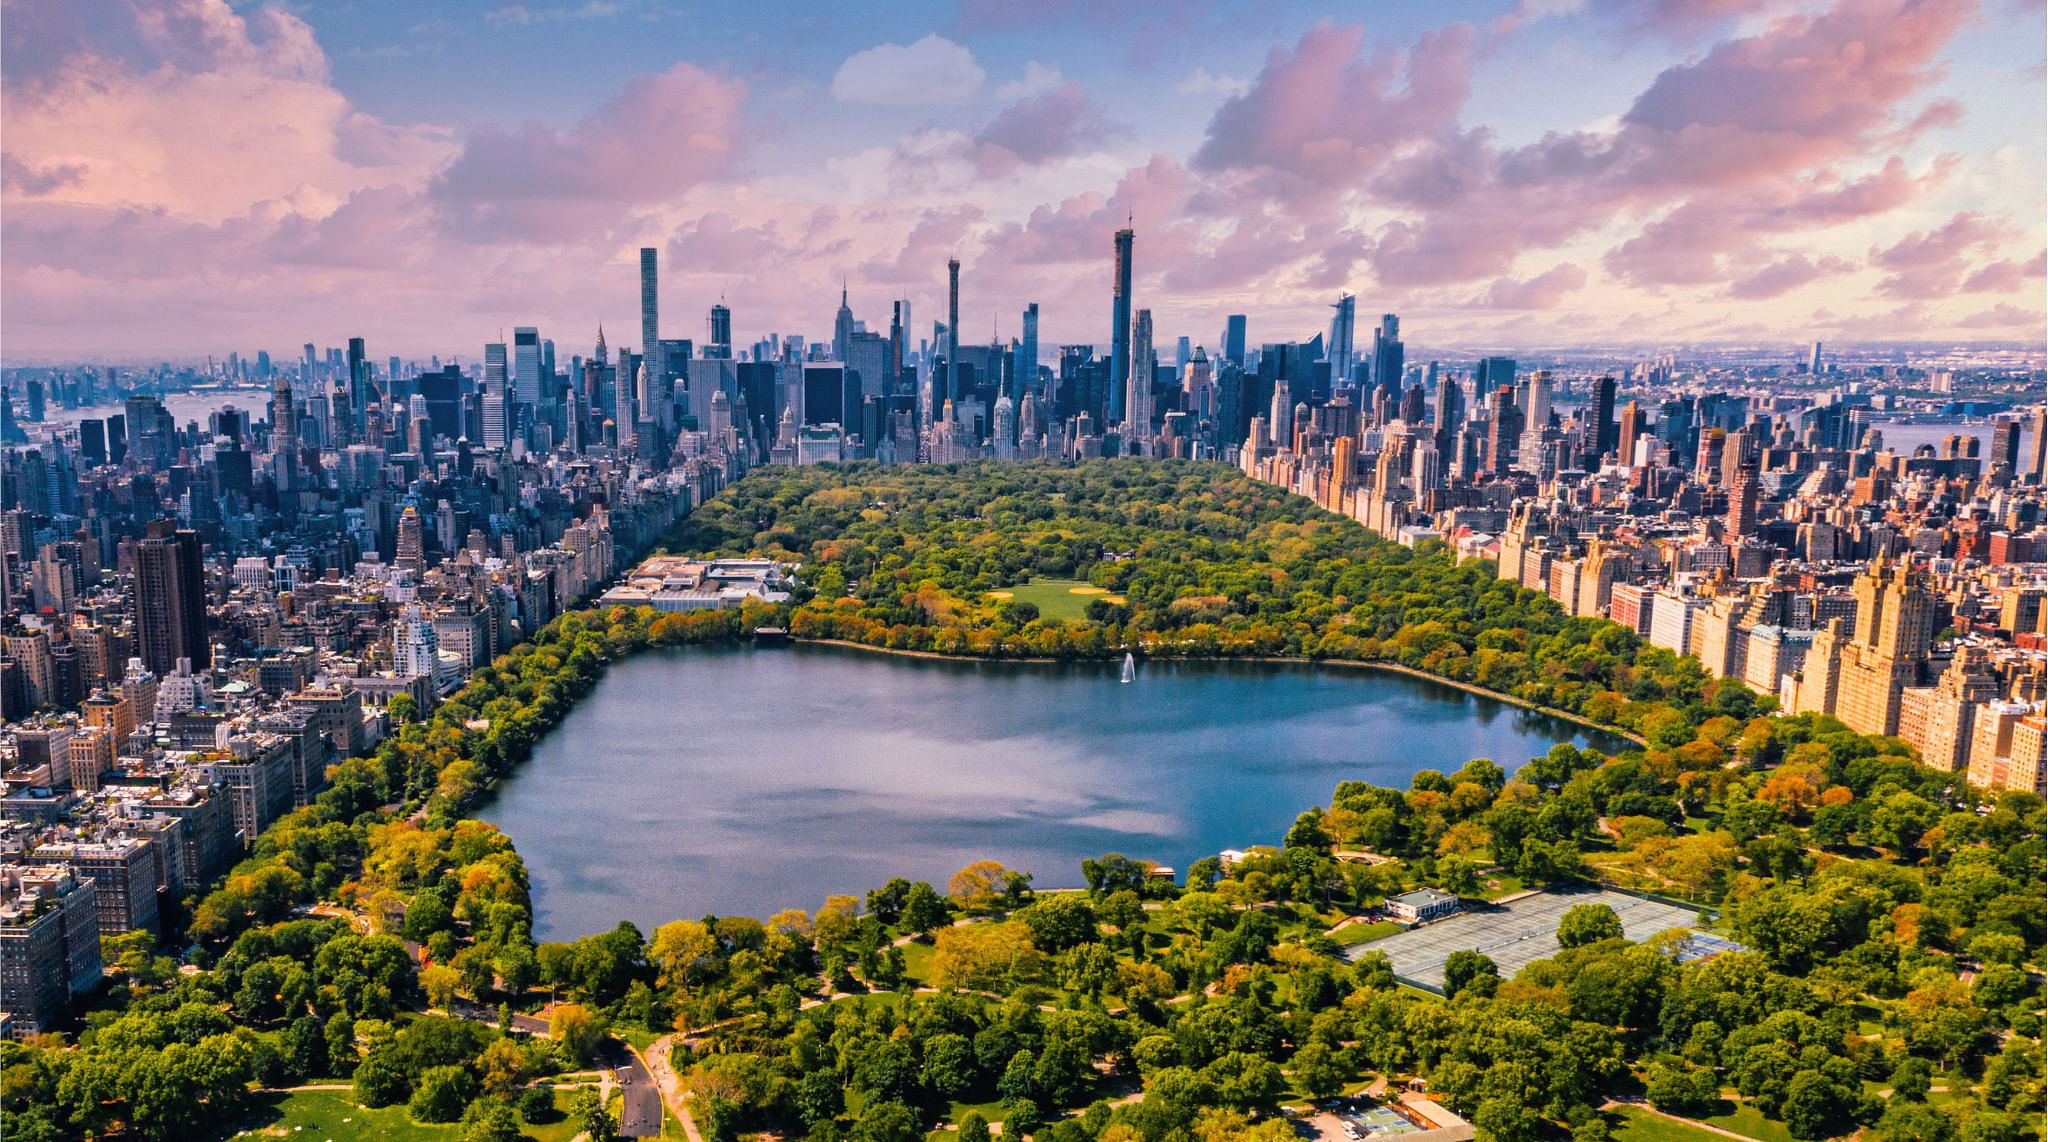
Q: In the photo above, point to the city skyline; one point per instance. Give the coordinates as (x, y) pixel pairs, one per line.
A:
(1865, 170)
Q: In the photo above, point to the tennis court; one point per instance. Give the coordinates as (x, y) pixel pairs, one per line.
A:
(1514, 934)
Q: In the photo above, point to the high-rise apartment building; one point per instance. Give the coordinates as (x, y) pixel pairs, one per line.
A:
(1138, 419)
(170, 599)
(1120, 325)
(526, 367)
(1389, 357)
(1341, 339)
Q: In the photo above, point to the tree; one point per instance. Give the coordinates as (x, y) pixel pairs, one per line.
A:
(978, 886)
(1059, 921)
(576, 1031)
(441, 1094)
(924, 910)
(1588, 924)
(439, 982)
(589, 1112)
(1912, 1079)
(949, 1065)
(1114, 872)
(973, 1127)
(489, 1120)
(537, 1105)
(1318, 1070)
(887, 1122)
(1469, 971)
(885, 904)
(1458, 875)
(381, 1079)
(983, 956)
(403, 708)
(1814, 1107)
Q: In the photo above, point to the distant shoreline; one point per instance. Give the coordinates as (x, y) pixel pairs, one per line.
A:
(1292, 660)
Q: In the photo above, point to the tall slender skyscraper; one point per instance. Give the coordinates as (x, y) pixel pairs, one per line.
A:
(1813, 363)
(1233, 339)
(896, 338)
(1120, 325)
(1027, 351)
(1341, 340)
(650, 309)
(358, 378)
(952, 388)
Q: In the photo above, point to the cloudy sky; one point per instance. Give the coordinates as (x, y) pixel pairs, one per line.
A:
(195, 176)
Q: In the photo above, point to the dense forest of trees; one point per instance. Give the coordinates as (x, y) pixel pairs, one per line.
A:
(1891, 915)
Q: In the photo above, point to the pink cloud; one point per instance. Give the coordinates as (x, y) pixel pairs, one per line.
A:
(1040, 129)
(1324, 113)
(1928, 264)
(1785, 275)
(2007, 275)
(661, 135)
(1546, 290)
(2006, 316)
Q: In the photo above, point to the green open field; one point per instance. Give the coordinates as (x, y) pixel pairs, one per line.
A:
(1633, 1124)
(333, 1116)
(1748, 1121)
(1054, 598)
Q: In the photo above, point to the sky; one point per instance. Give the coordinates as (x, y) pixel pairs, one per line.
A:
(187, 177)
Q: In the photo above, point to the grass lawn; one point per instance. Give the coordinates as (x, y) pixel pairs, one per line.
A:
(640, 1037)
(1351, 935)
(1633, 1124)
(1055, 598)
(917, 961)
(1750, 1122)
(333, 1116)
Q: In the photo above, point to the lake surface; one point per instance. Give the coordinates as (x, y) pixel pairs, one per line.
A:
(741, 781)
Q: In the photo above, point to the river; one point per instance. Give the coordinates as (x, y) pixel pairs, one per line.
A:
(741, 781)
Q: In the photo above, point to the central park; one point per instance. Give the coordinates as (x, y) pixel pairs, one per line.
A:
(1856, 941)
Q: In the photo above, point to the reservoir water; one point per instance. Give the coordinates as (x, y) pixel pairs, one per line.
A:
(740, 782)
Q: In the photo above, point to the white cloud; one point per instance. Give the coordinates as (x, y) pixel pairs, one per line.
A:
(1036, 80)
(932, 70)
(522, 16)
(1200, 82)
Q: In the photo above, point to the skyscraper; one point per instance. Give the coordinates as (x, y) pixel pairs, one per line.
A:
(650, 310)
(719, 346)
(526, 383)
(2005, 446)
(1388, 355)
(1138, 421)
(1341, 340)
(1450, 410)
(358, 375)
(1027, 351)
(1603, 417)
(1233, 339)
(2040, 476)
(1813, 363)
(897, 335)
(952, 388)
(284, 420)
(1120, 325)
(494, 395)
(170, 599)
(842, 329)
